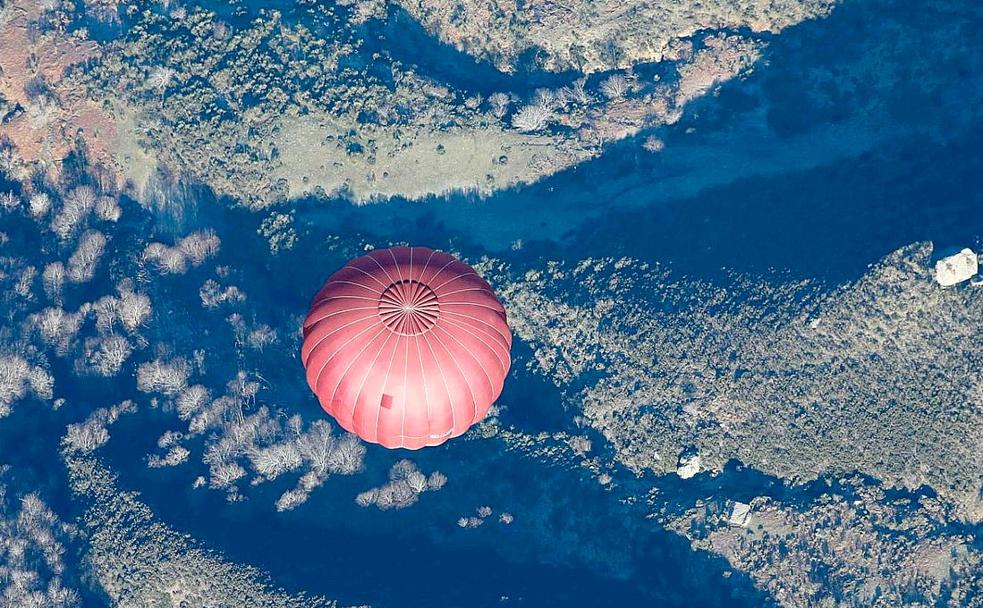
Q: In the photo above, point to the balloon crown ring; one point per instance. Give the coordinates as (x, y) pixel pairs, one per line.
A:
(409, 308)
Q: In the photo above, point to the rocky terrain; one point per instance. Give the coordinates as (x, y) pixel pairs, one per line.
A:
(279, 108)
(596, 36)
(854, 545)
(785, 377)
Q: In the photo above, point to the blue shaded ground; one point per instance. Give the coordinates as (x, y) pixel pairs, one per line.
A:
(772, 178)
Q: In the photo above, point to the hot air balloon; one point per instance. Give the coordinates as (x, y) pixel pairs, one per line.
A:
(406, 347)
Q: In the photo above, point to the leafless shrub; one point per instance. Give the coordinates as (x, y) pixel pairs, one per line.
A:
(108, 209)
(106, 356)
(199, 246)
(191, 401)
(57, 327)
(168, 378)
(39, 205)
(212, 294)
(532, 117)
(174, 456)
(499, 104)
(134, 309)
(436, 481)
(615, 86)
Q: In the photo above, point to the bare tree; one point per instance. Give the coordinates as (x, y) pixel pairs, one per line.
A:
(346, 458)
(82, 264)
(224, 475)
(160, 78)
(106, 356)
(134, 309)
(417, 481)
(532, 117)
(108, 209)
(499, 104)
(199, 246)
(74, 210)
(615, 86)
(168, 378)
(39, 204)
(86, 437)
(436, 481)
(53, 279)
(191, 400)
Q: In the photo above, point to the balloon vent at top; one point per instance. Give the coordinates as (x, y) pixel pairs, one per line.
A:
(406, 347)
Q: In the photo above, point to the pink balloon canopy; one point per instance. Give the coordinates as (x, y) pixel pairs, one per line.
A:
(406, 347)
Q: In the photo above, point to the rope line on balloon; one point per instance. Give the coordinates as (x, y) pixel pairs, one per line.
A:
(320, 340)
(406, 370)
(368, 372)
(506, 338)
(464, 381)
(310, 325)
(496, 336)
(452, 279)
(443, 380)
(385, 383)
(491, 385)
(366, 273)
(423, 374)
(501, 363)
(348, 368)
(317, 378)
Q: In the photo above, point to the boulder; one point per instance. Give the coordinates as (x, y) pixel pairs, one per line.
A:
(740, 512)
(956, 268)
(688, 466)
